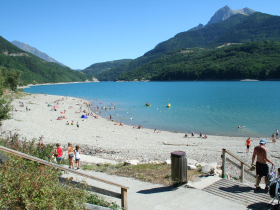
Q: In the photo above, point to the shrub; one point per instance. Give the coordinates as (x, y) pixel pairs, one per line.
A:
(29, 185)
(39, 150)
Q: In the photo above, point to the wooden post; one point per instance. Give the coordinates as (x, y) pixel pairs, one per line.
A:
(124, 198)
(224, 164)
(242, 172)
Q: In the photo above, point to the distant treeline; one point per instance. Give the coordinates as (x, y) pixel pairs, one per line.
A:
(99, 68)
(253, 60)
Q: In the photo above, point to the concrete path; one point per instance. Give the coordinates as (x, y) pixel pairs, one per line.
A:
(144, 195)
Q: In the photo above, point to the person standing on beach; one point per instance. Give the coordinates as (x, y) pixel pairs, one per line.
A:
(78, 125)
(70, 155)
(247, 143)
(77, 156)
(277, 133)
(261, 166)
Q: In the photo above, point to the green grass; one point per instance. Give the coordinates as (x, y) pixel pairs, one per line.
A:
(100, 201)
(154, 173)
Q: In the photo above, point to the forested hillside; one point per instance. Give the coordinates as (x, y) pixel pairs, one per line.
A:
(253, 60)
(103, 67)
(236, 29)
(33, 69)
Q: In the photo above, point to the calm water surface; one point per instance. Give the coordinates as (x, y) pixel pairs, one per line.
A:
(207, 107)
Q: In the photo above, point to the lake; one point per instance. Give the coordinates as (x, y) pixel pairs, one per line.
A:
(213, 108)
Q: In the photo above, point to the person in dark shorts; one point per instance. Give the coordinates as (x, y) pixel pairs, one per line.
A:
(247, 143)
(261, 166)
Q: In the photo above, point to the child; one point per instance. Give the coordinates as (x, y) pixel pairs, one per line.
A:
(78, 125)
(77, 157)
(58, 153)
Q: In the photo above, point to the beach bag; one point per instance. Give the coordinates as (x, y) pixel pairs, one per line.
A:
(71, 155)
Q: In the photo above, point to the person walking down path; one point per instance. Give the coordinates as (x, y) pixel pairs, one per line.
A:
(58, 153)
(247, 143)
(70, 155)
(261, 165)
(78, 157)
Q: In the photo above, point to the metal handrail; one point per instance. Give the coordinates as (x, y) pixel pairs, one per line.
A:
(124, 189)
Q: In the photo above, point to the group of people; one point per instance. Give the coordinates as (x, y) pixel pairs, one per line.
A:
(71, 154)
(137, 127)
(200, 135)
(72, 123)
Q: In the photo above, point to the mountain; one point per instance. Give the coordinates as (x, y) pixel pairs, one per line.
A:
(34, 69)
(99, 68)
(223, 14)
(197, 38)
(238, 28)
(252, 60)
(35, 51)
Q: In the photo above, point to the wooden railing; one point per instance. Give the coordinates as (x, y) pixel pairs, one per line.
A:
(241, 167)
(122, 195)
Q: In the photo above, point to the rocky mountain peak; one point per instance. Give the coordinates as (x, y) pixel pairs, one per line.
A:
(222, 14)
(35, 51)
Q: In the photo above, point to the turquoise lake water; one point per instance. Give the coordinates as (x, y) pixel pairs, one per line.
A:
(213, 108)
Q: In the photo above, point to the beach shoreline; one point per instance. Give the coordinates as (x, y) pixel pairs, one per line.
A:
(59, 83)
(102, 138)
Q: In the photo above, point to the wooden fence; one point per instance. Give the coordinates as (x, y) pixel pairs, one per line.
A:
(122, 195)
(241, 167)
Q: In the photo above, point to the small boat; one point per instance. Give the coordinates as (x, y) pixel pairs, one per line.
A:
(148, 104)
(168, 105)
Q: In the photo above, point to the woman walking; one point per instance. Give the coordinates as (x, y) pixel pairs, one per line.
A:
(70, 155)
(77, 157)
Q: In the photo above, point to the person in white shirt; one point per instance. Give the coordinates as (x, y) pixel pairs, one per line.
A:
(77, 153)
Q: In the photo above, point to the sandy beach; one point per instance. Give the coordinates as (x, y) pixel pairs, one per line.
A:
(102, 138)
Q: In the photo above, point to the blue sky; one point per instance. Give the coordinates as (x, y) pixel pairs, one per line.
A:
(79, 33)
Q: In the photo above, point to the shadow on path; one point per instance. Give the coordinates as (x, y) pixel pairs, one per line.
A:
(236, 189)
(158, 190)
(261, 206)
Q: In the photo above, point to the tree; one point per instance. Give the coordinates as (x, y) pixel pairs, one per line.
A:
(5, 106)
(13, 78)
